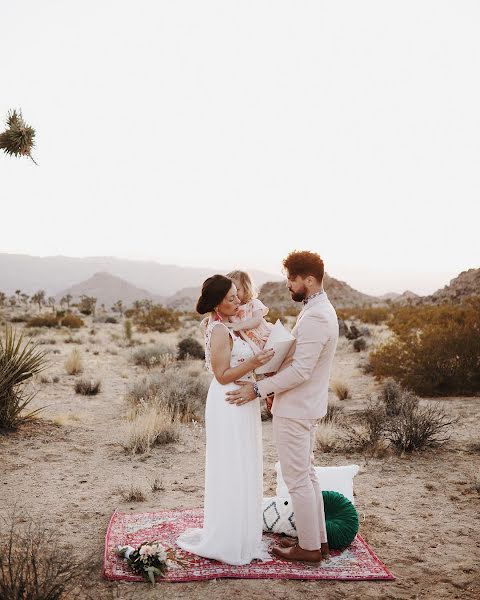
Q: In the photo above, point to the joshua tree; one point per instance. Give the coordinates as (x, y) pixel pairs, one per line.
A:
(118, 307)
(12, 300)
(3, 297)
(39, 298)
(25, 298)
(66, 300)
(51, 303)
(87, 305)
(18, 137)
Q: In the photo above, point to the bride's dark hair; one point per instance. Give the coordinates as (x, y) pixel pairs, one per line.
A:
(214, 290)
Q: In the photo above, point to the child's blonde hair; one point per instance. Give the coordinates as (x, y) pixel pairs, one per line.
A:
(246, 281)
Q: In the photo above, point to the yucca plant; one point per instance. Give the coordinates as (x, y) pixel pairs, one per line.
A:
(18, 138)
(19, 361)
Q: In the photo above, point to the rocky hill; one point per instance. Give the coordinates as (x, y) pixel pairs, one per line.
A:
(275, 295)
(108, 289)
(464, 285)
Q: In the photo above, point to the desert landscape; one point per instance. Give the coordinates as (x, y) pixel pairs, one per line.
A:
(121, 427)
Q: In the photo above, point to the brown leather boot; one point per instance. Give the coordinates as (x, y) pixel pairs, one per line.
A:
(297, 554)
(288, 542)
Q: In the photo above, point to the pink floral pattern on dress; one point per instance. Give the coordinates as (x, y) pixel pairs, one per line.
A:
(258, 336)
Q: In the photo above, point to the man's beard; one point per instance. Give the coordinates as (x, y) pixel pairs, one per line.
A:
(299, 296)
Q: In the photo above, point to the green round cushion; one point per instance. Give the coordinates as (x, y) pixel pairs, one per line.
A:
(341, 520)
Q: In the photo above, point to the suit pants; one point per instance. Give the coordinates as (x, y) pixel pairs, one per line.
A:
(295, 439)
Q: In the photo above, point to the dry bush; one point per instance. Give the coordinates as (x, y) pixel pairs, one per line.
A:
(183, 389)
(74, 363)
(73, 340)
(72, 321)
(190, 348)
(436, 349)
(156, 318)
(87, 387)
(19, 319)
(43, 321)
(341, 390)
(157, 485)
(359, 344)
(127, 328)
(152, 356)
(333, 413)
(373, 314)
(397, 418)
(151, 425)
(330, 437)
(34, 566)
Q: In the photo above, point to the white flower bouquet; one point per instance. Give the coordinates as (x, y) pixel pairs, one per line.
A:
(148, 559)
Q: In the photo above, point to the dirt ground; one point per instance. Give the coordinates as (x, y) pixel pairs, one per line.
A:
(419, 513)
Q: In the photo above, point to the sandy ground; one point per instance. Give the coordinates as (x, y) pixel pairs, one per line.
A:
(419, 513)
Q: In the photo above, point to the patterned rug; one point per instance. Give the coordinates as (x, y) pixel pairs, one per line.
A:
(358, 562)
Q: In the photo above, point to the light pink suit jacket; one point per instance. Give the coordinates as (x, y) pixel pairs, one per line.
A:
(301, 384)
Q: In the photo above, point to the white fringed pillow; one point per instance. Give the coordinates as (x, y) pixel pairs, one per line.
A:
(278, 516)
(336, 479)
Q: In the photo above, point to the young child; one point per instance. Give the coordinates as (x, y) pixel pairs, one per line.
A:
(249, 321)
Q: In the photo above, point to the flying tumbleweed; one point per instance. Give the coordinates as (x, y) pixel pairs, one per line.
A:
(18, 138)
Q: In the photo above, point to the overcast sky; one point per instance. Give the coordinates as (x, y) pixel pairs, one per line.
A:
(225, 134)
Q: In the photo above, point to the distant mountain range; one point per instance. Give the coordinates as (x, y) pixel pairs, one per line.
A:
(55, 274)
(179, 287)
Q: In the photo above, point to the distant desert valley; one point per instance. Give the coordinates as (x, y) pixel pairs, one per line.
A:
(102, 395)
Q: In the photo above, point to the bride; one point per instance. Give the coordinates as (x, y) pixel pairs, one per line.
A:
(232, 526)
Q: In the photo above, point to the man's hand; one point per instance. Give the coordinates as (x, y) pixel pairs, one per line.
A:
(243, 395)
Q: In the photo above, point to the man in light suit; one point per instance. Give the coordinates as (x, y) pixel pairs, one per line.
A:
(300, 390)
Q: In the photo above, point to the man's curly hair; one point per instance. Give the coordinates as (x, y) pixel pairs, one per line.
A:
(304, 263)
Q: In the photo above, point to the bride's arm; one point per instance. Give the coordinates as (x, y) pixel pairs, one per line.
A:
(221, 349)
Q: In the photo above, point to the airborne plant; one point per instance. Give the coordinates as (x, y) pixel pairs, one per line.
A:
(18, 138)
(18, 362)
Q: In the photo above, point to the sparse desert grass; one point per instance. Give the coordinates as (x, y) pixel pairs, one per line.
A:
(151, 425)
(34, 566)
(65, 419)
(45, 379)
(157, 485)
(152, 356)
(333, 413)
(181, 387)
(133, 493)
(73, 340)
(341, 390)
(330, 437)
(87, 387)
(74, 363)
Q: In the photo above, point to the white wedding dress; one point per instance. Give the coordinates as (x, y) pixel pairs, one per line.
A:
(232, 527)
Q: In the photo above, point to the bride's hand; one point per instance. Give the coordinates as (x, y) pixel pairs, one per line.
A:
(262, 357)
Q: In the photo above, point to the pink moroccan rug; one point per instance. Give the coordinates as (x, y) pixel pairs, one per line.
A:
(357, 563)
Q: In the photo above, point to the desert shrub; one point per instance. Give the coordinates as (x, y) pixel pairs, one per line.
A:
(127, 327)
(19, 319)
(182, 390)
(371, 314)
(352, 333)
(436, 349)
(333, 413)
(359, 344)
(330, 437)
(72, 321)
(74, 363)
(157, 318)
(33, 565)
(151, 425)
(19, 361)
(398, 418)
(341, 390)
(190, 348)
(43, 321)
(73, 340)
(87, 387)
(152, 356)
(111, 320)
